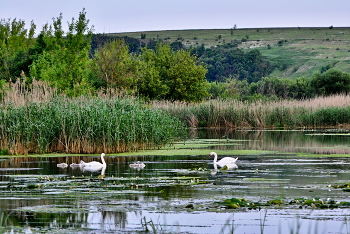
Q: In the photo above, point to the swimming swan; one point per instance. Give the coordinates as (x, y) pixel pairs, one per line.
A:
(62, 165)
(225, 160)
(76, 165)
(94, 164)
(137, 165)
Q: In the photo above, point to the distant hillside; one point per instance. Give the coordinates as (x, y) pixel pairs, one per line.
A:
(295, 52)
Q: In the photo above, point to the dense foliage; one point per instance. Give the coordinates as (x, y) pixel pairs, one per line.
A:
(63, 60)
(67, 61)
(78, 62)
(172, 75)
(227, 61)
(320, 84)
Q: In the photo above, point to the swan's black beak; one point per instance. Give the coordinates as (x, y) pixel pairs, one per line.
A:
(209, 156)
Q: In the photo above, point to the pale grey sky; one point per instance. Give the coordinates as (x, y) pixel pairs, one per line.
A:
(109, 16)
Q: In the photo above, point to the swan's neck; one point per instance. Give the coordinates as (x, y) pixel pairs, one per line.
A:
(103, 170)
(103, 160)
(215, 158)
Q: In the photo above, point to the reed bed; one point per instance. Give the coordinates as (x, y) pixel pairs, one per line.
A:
(85, 125)
(316, 112)
(35, 118)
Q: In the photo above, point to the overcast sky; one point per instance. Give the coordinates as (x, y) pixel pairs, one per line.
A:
(109, 16)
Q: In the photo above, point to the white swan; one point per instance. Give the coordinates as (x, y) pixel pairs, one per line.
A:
(137, 165)
(224, 161)
(62, 165)
(94, 164)
(76, 165)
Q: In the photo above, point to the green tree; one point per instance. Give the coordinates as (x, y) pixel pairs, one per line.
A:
(64, 60)
(331, 82)
(176, 73)
(273, 86)
(217, 89)
(113, 65)
(150, 83)
(15, 40)
(228, 61)
(301, 88)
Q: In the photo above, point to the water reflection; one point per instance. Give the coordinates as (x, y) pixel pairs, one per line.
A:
(94, 169)
(318, 141)
(36, 194)
(226, 166)
(79, 222)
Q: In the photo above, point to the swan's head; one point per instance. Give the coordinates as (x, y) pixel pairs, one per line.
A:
(103, 154)
(212, 154)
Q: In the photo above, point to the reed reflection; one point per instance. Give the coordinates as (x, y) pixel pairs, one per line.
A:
(101, 220)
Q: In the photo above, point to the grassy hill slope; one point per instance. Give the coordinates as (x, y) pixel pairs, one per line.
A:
(296, 52)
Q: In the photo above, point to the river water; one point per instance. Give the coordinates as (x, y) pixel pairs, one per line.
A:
(184, 193)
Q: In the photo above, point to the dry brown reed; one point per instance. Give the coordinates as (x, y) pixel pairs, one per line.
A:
(339, 100)
(21, 93)
(238, 114)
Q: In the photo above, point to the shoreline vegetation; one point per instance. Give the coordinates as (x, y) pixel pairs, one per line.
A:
(36, 119)
(330, 111)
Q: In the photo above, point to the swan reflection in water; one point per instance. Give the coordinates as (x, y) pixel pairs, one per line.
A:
(228, 166)
(223, 167)
(95, 169)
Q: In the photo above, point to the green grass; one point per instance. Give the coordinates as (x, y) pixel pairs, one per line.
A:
(303, 51)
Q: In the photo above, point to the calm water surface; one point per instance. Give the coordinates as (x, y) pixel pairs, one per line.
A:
(180, 194)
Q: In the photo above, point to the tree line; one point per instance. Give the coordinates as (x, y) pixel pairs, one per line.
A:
(78, 62)
(65, 60)
(327, 83)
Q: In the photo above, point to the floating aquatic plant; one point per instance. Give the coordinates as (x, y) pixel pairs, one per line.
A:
(235, 203)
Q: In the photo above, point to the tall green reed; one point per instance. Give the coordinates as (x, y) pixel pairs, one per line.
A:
(85, 125)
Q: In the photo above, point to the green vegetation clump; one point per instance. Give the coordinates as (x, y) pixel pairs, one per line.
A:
(85, 125)
(235, 203)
